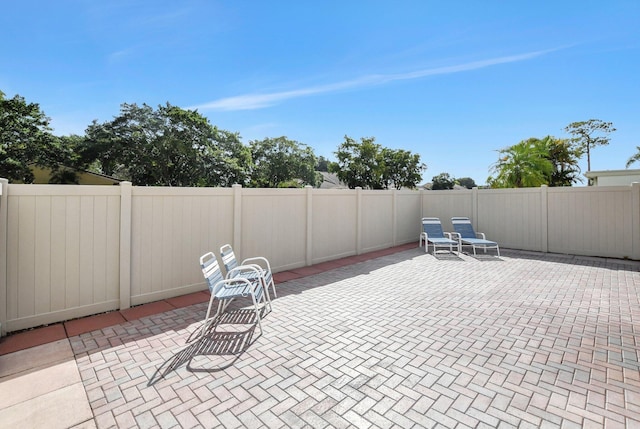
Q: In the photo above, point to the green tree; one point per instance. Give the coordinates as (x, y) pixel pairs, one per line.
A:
(359, 163)
(69, 160)
(402, 169)
(564, 156)
(522, 165)
(589, 134)
(368, 165)
(634, 158)
(442, 181)
(279, 161)
(25, 138)
(169, 146)
(467, 182)
(226, 161)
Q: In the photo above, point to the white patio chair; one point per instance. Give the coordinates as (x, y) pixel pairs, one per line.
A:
(226, 290)
(257, 262)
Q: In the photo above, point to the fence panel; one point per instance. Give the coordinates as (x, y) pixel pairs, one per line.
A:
(171, 229)
(595, 221)
(334, 224)
(447, 204)
(376, 220)
(273, 225)
(408, 214)
(511, 217)
(62, 253)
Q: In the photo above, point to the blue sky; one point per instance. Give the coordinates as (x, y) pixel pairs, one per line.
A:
(451, 81)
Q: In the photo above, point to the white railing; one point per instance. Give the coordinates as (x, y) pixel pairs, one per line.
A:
(71, 251)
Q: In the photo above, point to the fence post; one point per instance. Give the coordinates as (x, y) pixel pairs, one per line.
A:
(358, 220)
(635, 220)
(309, 249)
(4, 219)
(394, 217)
(125, 245)
(237, 218)
(474, 206)
(544, 218)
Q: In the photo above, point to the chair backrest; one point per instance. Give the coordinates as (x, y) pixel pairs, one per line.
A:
(433, 227)
(228, 258)
(211, 270)
(463, 226)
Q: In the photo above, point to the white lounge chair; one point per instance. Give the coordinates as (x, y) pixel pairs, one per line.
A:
(466, 235)
(432, 233)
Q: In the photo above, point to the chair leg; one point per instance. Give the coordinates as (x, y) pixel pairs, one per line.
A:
(273, 286)
(207, 319)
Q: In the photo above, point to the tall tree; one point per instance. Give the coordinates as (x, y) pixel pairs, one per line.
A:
(359, 163)
(169, 146)
(564, 156)
(522, 165)
(442, 181)
(402, 169)
(589, 134)
(25, 138)
(467, 182)
(278, 162)
(368, 165)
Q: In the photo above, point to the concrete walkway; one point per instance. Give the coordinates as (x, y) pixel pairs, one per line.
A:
(403, 340)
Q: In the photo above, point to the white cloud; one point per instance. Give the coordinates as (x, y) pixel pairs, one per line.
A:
(262, 100)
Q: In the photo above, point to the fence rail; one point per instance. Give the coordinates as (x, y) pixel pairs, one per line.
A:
(71, 251)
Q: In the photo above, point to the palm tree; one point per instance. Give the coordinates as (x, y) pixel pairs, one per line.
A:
(564, 156)
(634, 158)
(522, 165)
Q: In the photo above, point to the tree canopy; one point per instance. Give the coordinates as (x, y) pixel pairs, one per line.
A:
(279, 162)
(467, 182)
(589, 134)
(525, 164)
(535, 162)
(368, 165)
(169, 146)
(25, 138)
(442, 181)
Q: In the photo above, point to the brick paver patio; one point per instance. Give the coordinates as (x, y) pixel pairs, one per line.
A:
(405, 340)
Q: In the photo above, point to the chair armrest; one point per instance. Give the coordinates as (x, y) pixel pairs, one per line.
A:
(241, 270)
(251, 261)
(234, 282)
(481, 235)
(448, 235)
(455, 235)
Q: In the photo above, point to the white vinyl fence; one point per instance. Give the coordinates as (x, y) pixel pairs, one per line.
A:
(71, 251)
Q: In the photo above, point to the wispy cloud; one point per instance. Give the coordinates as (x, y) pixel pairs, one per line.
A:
(262, 100)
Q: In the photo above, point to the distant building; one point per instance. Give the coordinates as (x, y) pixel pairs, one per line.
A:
(42, 175)
(613, 177)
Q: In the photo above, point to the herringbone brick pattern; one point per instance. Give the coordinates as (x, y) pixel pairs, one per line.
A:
(406, 340)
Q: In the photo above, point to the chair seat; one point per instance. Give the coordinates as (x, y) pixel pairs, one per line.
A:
(443, 241)
(479, 241)
(233, 291)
